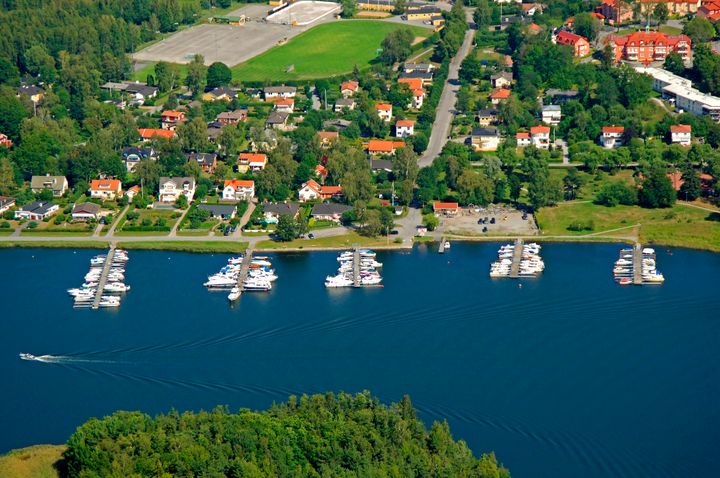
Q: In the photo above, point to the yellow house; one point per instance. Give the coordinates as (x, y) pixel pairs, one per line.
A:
(378, 5)
(423, 13)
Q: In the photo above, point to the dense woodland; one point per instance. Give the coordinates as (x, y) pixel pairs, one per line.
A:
(327, 435)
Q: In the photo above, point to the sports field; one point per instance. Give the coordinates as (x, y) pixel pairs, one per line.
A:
(326, 50)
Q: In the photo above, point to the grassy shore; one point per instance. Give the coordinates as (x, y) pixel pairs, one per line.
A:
(32, 462)
(59, 244)
(189, 246)
(344, 241)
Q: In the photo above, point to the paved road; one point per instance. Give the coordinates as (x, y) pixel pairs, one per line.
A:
(173, 231)
(446, 106)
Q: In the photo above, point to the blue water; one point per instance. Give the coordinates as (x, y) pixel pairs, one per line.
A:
(570, 375)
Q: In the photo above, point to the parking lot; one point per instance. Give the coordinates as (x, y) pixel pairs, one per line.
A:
(304, 13)
(508, 222)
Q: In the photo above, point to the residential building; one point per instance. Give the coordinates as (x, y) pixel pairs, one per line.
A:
(579, 44)
(418, 98)
(169, 119)
(132, 192)
(35, 93)
(311, 190)
(238, 189)
(6, 202)
(349, 88)
(693, 101)
(426, 77)
(710, 10)
(485, 139)
(36, 211)
(328, 211)
(253, 161)
(327, 138)
(273, 210)
(560, 96)
(286, 105)
(232, 117)
(551, 114)
(85, 211)
(404, 128)
(649, 46)
(220, 211)
(540, 136)
(384, 111)
(140, 92)
(678, 8)
(57, 184)
(615, 12)
(446, 208)
(534, 28)
(523, 139)
(343, 103)
(321, 172)
(146, 134)
(338, 124)
(681, 134)
(206, 161)
(278, 120)
(381, 146)
(106, 189)
(612, 136)
(662, 78)
(499, 95)
(486, 117)
(412, 83)
(132, 156)
(5, 141)
(221, 93)
(280, 92)
(422, 13)
(170, 189)
(530, 9)
(502, 79)
(380, 165)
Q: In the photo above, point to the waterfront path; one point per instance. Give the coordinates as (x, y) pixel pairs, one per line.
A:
(115, 223)
(173, 231)
(244, 219)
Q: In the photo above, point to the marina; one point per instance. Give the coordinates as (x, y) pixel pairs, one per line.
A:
(104, 279)
(637, 266)
(241, 274)
(518, 260)
(358, 268)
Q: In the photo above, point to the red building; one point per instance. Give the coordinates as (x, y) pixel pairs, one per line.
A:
(615, 11)
(579, 44)
(646, 47)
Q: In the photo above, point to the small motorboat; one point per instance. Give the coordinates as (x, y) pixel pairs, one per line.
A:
(625, 281)
(234, 294)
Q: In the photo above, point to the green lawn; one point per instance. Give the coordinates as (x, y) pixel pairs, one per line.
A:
(189, 246)
(347, 240)
(326, 50)
(32, 462)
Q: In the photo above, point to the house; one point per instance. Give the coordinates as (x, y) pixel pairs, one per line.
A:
(5, 141)
(278, 120)
(681, 134)
(327, 138)
(560, 96)
(710, 10)
(140, 92)
(36, 211)
(328, 211)
(339, 124)
(486, 117)
(412, 83)
(426, 77)
(551, 114)
(146, 134)
(446, 208)
(342, 103)
(349, 88)
(6, 203)
(106, 189)
(384, 111)
(170, 189)
(169, 119)
(423, 67)
(499, 95)
(534, 29)
(612, 136)
(485, 139)
(238, 189)
(508, 61)
(57, 184)
(85, 211)
(679, 8)
(253, 161)
(280, 92)
(529, 9)
(507, 20)
(132, 192)
(502, 79)
(380, 146)
(321, 172)
(380, 165)
(404, 128)
(35, 93)
(523, 139)
(213, 131)
(418, 98)
(273, 210)
(693, 101)
(311, 190)
(222, 93)
(422, 13)
(540, 136)
(615, 12)
(286, 105)
(132, 156)
(206, 161)
(579, 44)
(220, 211)
(232, 117)
(253, 93)
(649, 46)
(706, 181)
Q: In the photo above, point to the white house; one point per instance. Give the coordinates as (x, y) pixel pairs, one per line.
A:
(612, 136)
(85, 211)
(540, 136)
(280, 92)
(485, 139)
(238, 189)
(551, 114)
(523, 139)
(404, 128)
(418, 98)
(501, 80)
(172, 188)
(253, 161)
(57, 184)
(105, 189)
(384, 111)
(273, 210)
(36, 211)
(312, 190)
(6, 203)
(681, 134)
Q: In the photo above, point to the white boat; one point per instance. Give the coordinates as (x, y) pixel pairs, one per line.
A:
(116, 287)
(648, 250)
(338, 281)
(235, 260)
(220, 283)
(256, 285)
(106, 302)
(370, 280)
(234, 294)
(447, 244)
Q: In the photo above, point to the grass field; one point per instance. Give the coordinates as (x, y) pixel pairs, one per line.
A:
(326, 50)
(32, 462)
(347, 240)
(56, 244)
(189, 246)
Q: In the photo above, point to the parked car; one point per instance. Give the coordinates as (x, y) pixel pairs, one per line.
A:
(394, 232)
(311, 236)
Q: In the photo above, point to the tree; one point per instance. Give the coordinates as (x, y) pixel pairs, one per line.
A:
(12, 112)
(166, 76)
(674, 62)
(286, 228)
(181, 202)
(371, 224)
(587, 25)
(482, 15)
(617, 192)
(218, 74)
(691, 187)
(193, 135)
(430, 221)
(515, 187)
(349, 8)
(572, 182)
(470, 69)
(196, 75)
(660, 12)
(657, 190)
(397, 46)
(387, 220)
(7, 177)
(405, 165)
(700, 30)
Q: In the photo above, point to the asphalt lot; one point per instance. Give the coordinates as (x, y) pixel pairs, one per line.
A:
(508, 222)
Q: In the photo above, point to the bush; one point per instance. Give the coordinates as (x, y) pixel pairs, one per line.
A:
(431, 221)
(32, 225)
(581, 226)
(132, 216)
(9, 215)
(617, 192)
(4, 225)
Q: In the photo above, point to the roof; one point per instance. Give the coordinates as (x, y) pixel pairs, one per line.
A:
(445, 205)
(30, 90)
(6, 200)
(86, 208)
(141, 89)
(223, 91)
(534, 27)
(613, 129)
(522, 135)
(172, 114)
(148, 133)
(232, 115)
(330, 189)
(550, 92)
(105, 185)
(551, 108)
(384, 146)
(321, 170)
(37, 207)
(418, 66)
(178, 181)
(680, 128)
(500, 94)
(219, 209)
(503, 74)
(349, 85)
(280, 89)
(328, 135)
(278, 117)
(284, 102)
(540, 130)
(312, 184)
(383, 107)
(203, 158)
(424, 75)
(405, 124)
(253, 157)
(239, 183)
(413, 83)
(329, 209)
(56, 182)
(342, 102)
(490, 131)
(142, 153)
(565, 37)
(279, 208)
(381, 165)
(648, 38)
(488, 112)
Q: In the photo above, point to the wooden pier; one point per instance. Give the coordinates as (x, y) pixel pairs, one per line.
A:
(637, 264)
(244, 268)
(356, 268)
(103, 277)
(517, 257)
(441, 249)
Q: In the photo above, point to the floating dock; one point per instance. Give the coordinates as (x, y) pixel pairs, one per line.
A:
(517, 257)
(637, 266)
(244, 269)
(441, 249)
(517, 261)
(356, 267)
(103, 277)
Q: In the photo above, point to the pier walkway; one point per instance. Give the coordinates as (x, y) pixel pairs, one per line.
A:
(517, 257)
(103, 277)
(356, 267)
(637, 264)
(441, 249)
(244, 268)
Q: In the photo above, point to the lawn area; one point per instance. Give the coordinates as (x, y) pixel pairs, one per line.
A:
(6, 232)
(32, 462)
(188, 246)
(56, 244)
(347, 240)
(678, 226)
(326, 50)
(670, 30)
(136, 228)
(141, 74)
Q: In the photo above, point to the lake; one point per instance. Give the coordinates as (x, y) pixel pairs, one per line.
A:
(570, 375)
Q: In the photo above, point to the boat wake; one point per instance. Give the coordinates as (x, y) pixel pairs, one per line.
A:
(61, 359)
